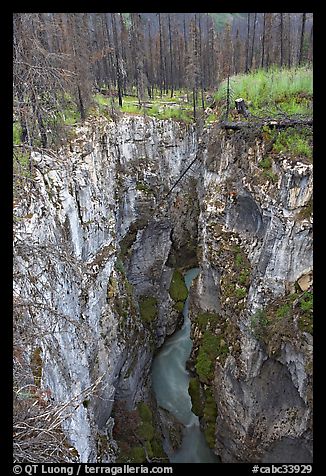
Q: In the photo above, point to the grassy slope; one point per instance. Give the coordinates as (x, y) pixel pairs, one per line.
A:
(272, 91)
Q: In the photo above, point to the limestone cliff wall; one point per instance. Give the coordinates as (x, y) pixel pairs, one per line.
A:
(77, 277)
(95, 247)
(255, 232)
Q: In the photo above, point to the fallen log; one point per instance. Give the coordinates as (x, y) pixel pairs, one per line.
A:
(277, 124)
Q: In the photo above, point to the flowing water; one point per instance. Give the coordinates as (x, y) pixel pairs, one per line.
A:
(170, 383)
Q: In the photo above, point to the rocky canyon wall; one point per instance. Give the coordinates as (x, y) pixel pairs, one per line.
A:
(96, 245)
(255, 230)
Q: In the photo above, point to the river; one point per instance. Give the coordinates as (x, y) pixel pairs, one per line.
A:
(170, 383)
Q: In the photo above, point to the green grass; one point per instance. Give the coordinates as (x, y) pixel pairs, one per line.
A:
(297, 143)
(158, 107)
(244, 277)
(211, 118)
(272, 91)
(102, 100)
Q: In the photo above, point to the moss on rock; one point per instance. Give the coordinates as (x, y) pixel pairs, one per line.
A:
(196, 400)
(136, 455)
(146, 431)
(148, 308)
(211, 347)
(210, 414)
(178, 290)
(280, 321)
(137, 434)
(145, 412)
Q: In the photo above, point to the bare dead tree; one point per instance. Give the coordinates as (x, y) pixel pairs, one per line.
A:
(281, 42)
(302, 34)
(253, 40)
(263, 41)
(248, 41)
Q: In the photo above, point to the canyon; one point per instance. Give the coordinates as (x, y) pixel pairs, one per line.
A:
(100, 250)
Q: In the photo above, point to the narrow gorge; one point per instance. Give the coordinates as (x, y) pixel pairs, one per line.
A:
(101, 248)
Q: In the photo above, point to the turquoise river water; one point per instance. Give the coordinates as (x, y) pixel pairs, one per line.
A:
(170, 383)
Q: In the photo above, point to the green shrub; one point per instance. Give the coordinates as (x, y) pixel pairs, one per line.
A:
(37, 365)
(240, 293)
(306, 211)
(265, 163)
(210, 343)
(297, 143)
(179, 305)
(143, 187)
(210, 414)
(306, 304)
(239, 261)
(283, 311)
(244, 277)
(157, 448)
(70, 117)
(209, 433)
(21, 164)
(305, 321)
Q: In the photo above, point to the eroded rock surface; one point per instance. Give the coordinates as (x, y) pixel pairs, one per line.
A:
(95, 248)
